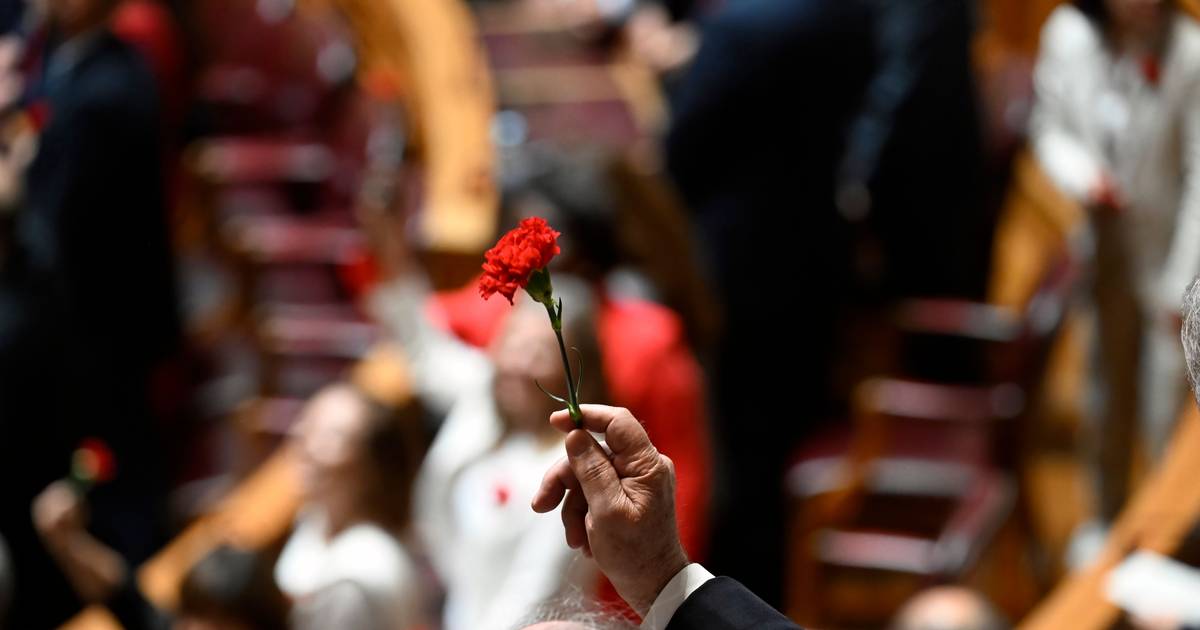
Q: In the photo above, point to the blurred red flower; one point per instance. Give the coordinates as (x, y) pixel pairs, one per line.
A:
(526, 249)
(94, 462)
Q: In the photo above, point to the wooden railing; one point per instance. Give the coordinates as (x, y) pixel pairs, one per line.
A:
(430, 49)
(1157, 519)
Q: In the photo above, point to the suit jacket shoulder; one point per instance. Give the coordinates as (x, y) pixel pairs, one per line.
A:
(114, 81)
(724, 604)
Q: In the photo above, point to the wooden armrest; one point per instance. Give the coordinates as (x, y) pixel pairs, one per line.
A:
(1158, 518)
(899, 476)
(279, 240)
(878, 401)
(879, 551)
(973, 525)
(248, 160)
(297, 330)
(979, 513)
(959, 318)
(918, 400)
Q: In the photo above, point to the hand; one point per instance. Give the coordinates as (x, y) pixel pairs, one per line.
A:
(658, 43)
(58, 514)
(619, 509)
(93, 569)
(1105, 197)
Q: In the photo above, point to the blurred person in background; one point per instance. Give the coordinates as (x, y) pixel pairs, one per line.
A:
(758, 124)
(497, 559)
(152, 28)
(347, 565)
(88, 319)
(948, 608)
(1117, 127)
(830, 151)
(912, 168)
(228, 589)
(648, 364)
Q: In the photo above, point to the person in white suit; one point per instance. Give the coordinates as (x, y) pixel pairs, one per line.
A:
(1117, 126)
(497, 559)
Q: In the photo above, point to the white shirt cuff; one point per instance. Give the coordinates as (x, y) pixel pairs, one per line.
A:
(689, 578)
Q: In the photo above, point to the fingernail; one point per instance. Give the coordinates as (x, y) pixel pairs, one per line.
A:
(577, 442)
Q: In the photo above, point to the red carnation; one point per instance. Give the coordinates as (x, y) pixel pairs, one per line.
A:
(508, 266)
(93, 462)
(519, 261)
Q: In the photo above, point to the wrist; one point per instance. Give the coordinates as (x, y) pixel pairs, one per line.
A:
(665, 568)
(60, 541)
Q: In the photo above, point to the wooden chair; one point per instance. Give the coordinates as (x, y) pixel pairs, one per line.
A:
(928, 471)
(913, 488)
(569, 90)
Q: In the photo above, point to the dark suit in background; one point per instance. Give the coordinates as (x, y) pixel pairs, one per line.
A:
(759, 123)
(88, 311)
(917, 147)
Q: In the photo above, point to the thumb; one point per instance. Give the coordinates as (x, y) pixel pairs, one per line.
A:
(595, 472)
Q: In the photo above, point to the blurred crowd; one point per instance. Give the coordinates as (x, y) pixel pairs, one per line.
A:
(779, 230)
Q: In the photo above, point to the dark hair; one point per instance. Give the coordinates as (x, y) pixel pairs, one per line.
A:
(234, 584)
(579, 331)
(393, 443)
(1098, 10)
(577, 187)
(1095, 9)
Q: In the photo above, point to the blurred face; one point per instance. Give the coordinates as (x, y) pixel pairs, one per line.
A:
(1138, 16)
(329, 436)
(76, 16)
(527, 350)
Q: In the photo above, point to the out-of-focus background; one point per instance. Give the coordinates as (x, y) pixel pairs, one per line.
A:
(896, 284)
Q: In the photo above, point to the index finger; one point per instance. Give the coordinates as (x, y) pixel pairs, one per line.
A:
(626, 437)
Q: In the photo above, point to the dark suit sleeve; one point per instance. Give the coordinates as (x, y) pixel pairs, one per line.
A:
(724, 604)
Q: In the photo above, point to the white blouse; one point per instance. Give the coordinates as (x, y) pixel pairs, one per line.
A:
(361, 579)
(1097, 112)
(498, 558)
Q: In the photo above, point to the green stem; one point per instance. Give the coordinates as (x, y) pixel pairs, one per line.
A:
(572, 395)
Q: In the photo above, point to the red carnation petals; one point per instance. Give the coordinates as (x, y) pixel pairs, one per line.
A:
(527, 248)
(94, 461)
